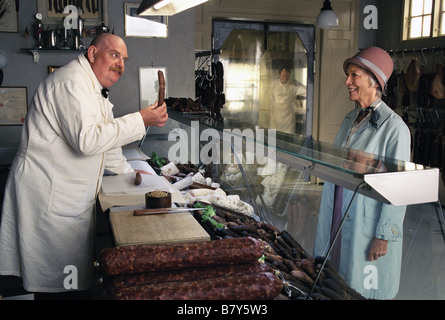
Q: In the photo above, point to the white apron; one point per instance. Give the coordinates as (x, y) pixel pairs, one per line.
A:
(69, 137)
(283, 107)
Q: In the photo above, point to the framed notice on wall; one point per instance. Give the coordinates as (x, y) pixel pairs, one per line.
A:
(8, 17)
(93, 11)
(13, 105)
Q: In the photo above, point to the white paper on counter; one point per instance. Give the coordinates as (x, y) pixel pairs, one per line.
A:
(141, 165)
(123, 184)
(132, 152)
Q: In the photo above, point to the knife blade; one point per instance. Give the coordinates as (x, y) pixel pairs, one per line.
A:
(147, 212)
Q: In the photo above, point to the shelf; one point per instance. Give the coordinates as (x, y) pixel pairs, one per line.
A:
(386, 180)
(36, 52)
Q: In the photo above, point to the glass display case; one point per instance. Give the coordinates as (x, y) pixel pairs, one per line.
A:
(282, 175)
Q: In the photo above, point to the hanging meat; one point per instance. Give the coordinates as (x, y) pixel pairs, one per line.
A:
(412, 76)
(437, 86)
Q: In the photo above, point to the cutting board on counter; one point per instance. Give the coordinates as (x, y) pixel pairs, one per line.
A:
(129, 229)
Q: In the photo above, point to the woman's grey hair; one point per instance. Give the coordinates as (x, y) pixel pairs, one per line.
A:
(373, 81)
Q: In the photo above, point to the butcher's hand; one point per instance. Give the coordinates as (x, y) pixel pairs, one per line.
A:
(378, 249)
(155, 116)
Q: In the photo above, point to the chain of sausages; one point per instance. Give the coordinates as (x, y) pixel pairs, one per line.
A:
(226, 269)
(286, 256)
(254, 286)
(134, 259)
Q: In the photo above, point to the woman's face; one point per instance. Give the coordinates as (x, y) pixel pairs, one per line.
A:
(359, 86)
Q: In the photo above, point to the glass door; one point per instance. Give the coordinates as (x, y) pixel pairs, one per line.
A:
(268, 74)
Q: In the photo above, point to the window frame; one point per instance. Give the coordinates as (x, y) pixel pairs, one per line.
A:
(436, 21)
(440, 9)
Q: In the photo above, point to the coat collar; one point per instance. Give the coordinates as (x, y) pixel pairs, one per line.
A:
(382, 112)
(86, 65)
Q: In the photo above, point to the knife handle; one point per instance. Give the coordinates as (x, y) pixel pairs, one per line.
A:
(146, 212)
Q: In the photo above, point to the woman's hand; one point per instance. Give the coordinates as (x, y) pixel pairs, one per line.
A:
(379, 248)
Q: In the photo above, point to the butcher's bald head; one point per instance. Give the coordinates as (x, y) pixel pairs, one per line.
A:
(107, 55)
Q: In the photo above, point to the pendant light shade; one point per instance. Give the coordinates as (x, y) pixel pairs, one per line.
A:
(3, 63)
(327, 19)
(3, 59)
(166, 7)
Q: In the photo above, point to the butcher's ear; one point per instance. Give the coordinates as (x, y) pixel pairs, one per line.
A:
(92, 50)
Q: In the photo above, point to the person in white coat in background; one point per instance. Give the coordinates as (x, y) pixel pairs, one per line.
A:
(284, 102)
(69, 138)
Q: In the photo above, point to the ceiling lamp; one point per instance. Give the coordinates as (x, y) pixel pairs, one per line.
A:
(166, 7)
(327, 19)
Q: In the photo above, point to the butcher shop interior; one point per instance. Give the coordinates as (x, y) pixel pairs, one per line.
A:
(234, 195)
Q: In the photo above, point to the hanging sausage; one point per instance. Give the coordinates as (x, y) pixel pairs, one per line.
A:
(412, 76)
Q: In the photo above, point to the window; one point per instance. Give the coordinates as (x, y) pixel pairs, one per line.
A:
(424, 19)
(442, 18)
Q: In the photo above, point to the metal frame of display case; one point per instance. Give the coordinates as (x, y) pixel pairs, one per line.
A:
(401, 183)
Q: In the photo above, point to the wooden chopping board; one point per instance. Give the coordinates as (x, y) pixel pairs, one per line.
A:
(129, 229)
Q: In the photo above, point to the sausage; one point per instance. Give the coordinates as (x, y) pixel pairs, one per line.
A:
(302, 276)
(302, 285)
(331, 284)
(134, 259)
(122, 281)
(138, 179)
(261, 286)
(161, 88)
(269, 227)
(308, 267)
(331, 294)
(291, 265)
(331, 272)
(239, 228)
(292, 242)
(271, 257)
(280, 266)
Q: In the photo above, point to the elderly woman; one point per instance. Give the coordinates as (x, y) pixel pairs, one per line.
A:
(368, 250)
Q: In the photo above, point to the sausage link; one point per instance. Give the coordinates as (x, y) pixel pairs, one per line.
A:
(261, 286)
(138, 179)
(161, 80)
(135, 259)
(122, 281)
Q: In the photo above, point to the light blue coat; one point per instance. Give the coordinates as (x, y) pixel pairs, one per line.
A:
(368, 218)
